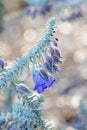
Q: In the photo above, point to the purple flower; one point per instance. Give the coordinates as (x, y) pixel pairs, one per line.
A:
(28, 10)
(33, 13)
(43, 11)
(72, 16)
(55, 51)
(2, 121)
(41, 83)
(10, 125)
(1, 63)
(77, 123)
(45, 8)
(55, 55)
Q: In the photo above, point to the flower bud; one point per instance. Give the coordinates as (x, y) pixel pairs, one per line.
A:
(1, 63)
(55, 43)
(10, 125)
(2, 121)
(22, 88)
(52, 51)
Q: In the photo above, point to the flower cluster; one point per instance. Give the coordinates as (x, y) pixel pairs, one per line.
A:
(9, 77)
(73, 16)
(37, 6)
(44, 6)
(44, 57)
(42, 74)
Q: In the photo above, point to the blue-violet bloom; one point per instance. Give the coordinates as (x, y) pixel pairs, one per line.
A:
(40, 83)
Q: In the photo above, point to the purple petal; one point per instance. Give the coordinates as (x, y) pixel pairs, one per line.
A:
(39, 81)
(39, 89)
(37, 78)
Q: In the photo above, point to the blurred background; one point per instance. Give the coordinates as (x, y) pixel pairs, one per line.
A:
(21, 24)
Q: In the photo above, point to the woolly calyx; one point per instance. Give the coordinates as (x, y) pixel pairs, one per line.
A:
(22, 88)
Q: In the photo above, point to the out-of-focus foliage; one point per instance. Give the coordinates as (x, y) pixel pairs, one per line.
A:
(61, 4)
(36, 2)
